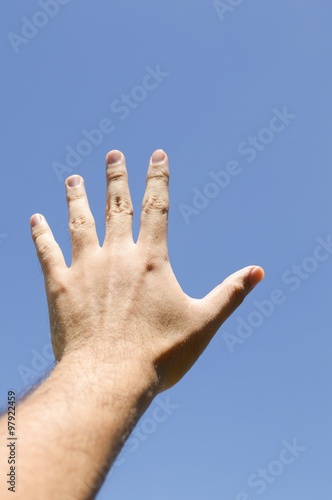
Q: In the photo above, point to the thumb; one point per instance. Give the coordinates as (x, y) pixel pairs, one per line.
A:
(222, 301)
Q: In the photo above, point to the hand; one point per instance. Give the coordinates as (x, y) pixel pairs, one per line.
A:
(120, 303)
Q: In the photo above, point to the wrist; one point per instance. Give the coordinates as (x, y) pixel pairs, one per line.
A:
(111, 377)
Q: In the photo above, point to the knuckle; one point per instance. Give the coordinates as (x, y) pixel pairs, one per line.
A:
(119, 205)
(236, 292)
(81, 221)
(155, 203)
(44, 250)
(116, 174)
(161, 174)
(57, 286)
(75, 196)
(43, 245)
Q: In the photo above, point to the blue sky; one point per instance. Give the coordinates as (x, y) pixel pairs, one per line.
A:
(260, 396)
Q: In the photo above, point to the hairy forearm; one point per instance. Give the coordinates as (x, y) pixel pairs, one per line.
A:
(72, 427)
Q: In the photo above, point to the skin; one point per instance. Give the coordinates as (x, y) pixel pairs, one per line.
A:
(122, 332)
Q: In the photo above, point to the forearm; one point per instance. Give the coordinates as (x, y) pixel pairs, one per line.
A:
(72, 427)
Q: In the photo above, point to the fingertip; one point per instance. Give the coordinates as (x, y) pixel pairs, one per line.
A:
(113, 157)
(256, 276)
(159, 156)
(36, 220)
(74, 181)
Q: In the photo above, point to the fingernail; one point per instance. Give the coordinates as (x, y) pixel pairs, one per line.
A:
(74, 181)
(256, 276)
(36, 220)
(158, 156)
(113, 157)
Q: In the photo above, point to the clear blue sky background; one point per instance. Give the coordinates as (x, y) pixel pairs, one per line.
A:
(225, 78)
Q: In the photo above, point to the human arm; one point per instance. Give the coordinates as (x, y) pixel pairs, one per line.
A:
(122, 331)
